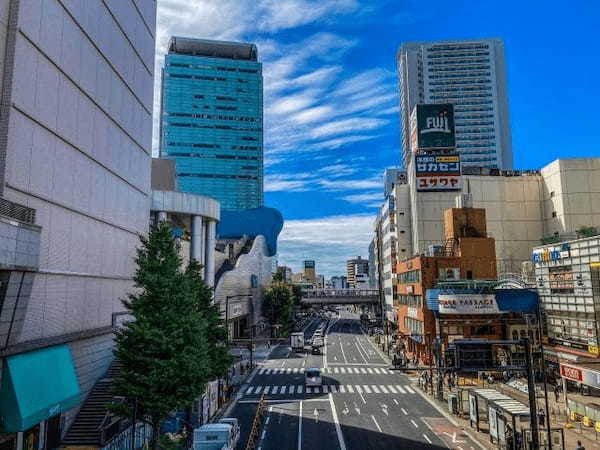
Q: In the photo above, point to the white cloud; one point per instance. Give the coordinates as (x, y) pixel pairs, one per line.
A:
(363, 198)
(328, 240)
(350, 125)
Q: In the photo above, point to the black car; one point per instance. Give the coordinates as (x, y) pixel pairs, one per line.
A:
(316, 350)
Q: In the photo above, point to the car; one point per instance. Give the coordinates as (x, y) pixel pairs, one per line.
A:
(312, 377)
(316, 350)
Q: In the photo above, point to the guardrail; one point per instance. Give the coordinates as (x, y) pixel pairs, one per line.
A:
(334, 293)
(16, 211)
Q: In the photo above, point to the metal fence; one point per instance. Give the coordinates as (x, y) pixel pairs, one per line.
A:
(121, 441)
(16, 211)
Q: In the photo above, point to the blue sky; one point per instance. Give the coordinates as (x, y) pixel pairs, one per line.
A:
(331, 97)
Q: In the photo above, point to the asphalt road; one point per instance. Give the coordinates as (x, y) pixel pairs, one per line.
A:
(361, 405)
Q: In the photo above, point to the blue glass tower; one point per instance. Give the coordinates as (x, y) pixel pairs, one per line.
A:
(212, 119)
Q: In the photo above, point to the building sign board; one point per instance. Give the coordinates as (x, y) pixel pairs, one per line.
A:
(581, 374)
(412, 312)
(468, 304)
(571, 373)
(435, 126)
(548, 254)
(493, 421)
(438, 172)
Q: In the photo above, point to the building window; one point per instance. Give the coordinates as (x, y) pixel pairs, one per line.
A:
(553, 213)
(482, 330)
(469, 274)
(551, 194)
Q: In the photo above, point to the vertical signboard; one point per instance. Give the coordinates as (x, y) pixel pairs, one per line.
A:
(438, 172)
(493, 421)
(435, 126)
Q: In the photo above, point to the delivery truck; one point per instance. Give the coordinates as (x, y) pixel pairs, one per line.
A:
(297, 341)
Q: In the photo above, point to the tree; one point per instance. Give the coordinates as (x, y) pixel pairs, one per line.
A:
(297, 293)
(164, 350)
(216, 336)
(278, 304)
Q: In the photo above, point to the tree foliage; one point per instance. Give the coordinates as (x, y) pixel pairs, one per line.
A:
(278, 303)
(171, 348)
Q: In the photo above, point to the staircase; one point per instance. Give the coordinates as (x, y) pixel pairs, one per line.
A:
(86, 429)
(230, 265)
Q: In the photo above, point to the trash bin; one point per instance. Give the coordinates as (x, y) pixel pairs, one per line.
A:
(453, 403)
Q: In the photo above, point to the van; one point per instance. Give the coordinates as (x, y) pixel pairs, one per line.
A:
(215, 436)
(312, 377)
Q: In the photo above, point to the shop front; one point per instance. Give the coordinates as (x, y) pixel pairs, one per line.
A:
(581, 387)
(37, 387)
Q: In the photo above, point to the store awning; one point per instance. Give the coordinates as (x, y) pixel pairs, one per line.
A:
(36, 386)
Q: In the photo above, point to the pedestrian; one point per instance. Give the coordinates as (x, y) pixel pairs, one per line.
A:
(556, 392)
(542, 417)
(579, 446)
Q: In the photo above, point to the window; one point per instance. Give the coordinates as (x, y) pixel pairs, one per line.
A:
(553, 213)
(482, 330)
(551, 194)
(413, 276)
(469, 274)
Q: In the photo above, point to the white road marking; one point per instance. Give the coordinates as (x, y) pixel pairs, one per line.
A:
(391, 388)
(274, 391)
(309, 390)
(384, 390)
(414, 423)
(375, 389)
(395, 401)
(400, 389)
(405, 412)
(376, 424)
(282, 391)
(342, 389)
(367, 389)
(249, 390)
(300, 427)
(410, 391)
(429, 440)
(324, 388)
(333, 388)
(343, 354)
(266, 391)
(336, 421)
(292, 389)
(299, 389)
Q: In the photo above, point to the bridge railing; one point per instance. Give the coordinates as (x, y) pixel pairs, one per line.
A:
(336, 293)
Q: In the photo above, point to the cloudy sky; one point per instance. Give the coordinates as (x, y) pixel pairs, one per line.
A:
(331, 97)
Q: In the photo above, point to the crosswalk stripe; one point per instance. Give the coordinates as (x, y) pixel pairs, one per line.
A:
(261, 371)
(401, 389)
(367, 389)
(249, 390)
(267, 371)
(356, 370)
(375, 389)
(295, 370)
(342, 389)
(258, 389)
(335, 370)
(358, 389)
(370, 370)
(325, 389)
(384, 390)
(308, 390)
(376, 370)
(299, 389)
(292, 389)
(274, 391)
(266, 391)
(391, 388)
(410, 391)
(333, 388)
(350, 389)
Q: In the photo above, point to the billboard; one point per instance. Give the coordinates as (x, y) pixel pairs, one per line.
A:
(438, 172)
(468, 304)
(435, 127)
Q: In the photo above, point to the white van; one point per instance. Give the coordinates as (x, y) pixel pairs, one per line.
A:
(312, 377)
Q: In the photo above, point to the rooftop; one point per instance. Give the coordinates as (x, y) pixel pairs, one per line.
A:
(213, 49)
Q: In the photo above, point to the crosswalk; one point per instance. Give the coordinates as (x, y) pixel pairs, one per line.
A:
(327, 370)
(330, 389)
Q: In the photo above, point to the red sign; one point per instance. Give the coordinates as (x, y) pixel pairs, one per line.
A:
(571, 373)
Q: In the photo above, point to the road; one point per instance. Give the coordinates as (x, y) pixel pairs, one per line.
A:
(361, 405)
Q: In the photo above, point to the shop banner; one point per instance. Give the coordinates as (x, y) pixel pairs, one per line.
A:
(438, 172)
(582, 375)
(468, 304)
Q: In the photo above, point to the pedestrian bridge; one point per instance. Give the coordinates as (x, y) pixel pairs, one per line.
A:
(339, 296)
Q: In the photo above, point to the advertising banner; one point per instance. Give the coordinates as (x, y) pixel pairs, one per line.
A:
(435, 126)
(585, 376)
(438, 172)
(468, 304)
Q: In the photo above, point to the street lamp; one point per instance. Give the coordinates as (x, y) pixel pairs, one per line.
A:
(227, 310)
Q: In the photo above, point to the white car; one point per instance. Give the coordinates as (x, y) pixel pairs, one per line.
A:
(312, 377)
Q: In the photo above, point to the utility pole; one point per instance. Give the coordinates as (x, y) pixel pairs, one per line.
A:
(544, 374)
(535, 437)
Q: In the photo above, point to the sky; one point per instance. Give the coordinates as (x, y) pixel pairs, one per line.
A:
(331, 96)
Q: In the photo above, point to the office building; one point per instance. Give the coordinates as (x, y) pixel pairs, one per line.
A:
(309, 271)
(212, 120)
(356, 266)
(339, 282)
(75, 146)
(471, 75)
(522, 208)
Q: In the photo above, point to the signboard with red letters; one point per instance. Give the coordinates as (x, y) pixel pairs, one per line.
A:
(571, 373)
(583, 375)
(438, 172)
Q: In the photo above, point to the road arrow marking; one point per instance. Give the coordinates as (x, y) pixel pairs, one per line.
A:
(396, 401)
(316, 414)
(356, 408)
(453, 436)
(346, 410)
(384, 408)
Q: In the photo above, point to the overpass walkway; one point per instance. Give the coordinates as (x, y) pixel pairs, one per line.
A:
(339, 296)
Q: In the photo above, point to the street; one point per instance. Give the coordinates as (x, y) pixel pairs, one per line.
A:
(361, 404)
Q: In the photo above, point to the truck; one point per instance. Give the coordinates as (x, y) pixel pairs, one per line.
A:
(217, 436)
(297, 341)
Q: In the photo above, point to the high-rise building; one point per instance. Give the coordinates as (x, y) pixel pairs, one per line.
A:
(356, 266)
(471, 75)
(309, 270)
(212, 120)
(75, 156)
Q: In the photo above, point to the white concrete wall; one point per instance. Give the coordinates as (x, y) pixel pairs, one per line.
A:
(79, 152)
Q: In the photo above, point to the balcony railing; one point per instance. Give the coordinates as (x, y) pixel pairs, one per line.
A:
(16, 211)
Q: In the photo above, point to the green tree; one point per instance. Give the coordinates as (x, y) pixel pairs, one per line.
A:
(164, 350)
(219, 356)
(296, 293)
(278, 304)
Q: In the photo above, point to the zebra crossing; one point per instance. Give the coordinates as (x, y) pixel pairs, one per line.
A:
(330, 389)
(327, 370)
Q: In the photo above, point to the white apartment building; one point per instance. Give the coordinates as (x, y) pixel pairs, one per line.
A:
(75, 146)
(521, 207)
(471, 75)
